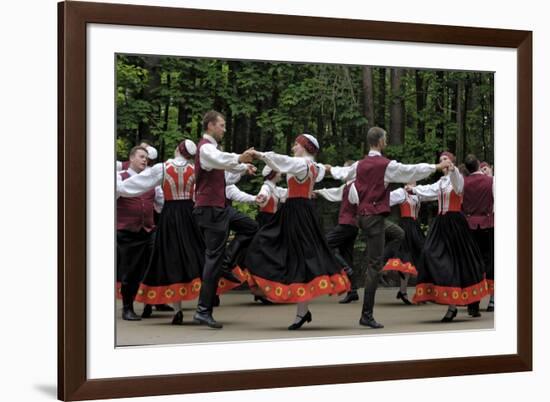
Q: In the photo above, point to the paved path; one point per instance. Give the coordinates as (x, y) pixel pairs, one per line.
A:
(245, 319)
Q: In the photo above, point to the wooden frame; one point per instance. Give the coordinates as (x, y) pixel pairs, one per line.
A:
(72, 379)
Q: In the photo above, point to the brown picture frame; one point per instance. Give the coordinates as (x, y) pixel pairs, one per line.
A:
(73, 17)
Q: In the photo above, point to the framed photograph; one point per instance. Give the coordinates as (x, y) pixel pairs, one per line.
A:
(105, 50)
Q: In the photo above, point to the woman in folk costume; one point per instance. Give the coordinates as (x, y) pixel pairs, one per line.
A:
(451, 271)
(406, 257)
(270, 196)
(289, 258)
(174, 274)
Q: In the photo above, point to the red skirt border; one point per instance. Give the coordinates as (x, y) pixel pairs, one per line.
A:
(300, 292)
(451, 295)
(395, 264)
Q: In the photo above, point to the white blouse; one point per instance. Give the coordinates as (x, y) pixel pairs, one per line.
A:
(292, 165)
(269, 189)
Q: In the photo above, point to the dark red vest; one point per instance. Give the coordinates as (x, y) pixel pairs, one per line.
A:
(209, 185)
(374, 197)
(135, 213)
(478, 201)
(347, 209)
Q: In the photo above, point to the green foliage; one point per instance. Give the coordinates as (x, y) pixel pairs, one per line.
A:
(163, 99)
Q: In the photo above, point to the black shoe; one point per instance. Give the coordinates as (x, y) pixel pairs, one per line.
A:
(491, 307)
(163, 307)
(370, 322)
(263, 300)
(216, 301)
(147, 311)
(298, 325)
(350, 297)
(403, 297)
(130, 315)
(449, 315)
(473, 310)
(178, 318)
(206, 319)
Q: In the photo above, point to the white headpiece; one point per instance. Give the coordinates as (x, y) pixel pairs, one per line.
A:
(151, 152)
(266, 171)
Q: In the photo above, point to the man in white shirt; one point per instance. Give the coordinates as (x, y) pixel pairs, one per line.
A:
(213, 217)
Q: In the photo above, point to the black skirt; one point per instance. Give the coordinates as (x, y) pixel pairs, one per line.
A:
(178, 257)
(406, 257)
(263, 218)
(289, 258)
(451, 268)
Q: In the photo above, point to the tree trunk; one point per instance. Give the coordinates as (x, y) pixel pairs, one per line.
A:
(368, 96)
(381, 110)
(420, 106)
(397, 111)
(460, 114)
(152, 64)
(440, 105)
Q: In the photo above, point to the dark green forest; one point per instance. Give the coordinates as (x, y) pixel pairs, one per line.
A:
(162, 100)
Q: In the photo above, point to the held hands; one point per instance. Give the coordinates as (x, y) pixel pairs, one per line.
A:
(444, 165)
(261, 199)
(248, 156)
(250, 169)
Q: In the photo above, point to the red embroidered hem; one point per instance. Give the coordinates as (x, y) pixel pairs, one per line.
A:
(491, 284)
(300, 292)
(180, 291)
(451, 295)
(395, 264)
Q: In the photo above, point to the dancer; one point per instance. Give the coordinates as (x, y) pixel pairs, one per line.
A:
(135, 234)
(270, 196)
(342, 237)
(214, 219)
(174, 274)
(451, 272)
(406, 257)
(373, 174)
(478, 206)
(289, 258)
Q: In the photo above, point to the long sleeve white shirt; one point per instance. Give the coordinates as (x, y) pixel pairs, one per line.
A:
(430, 192)
(134, 191)
(395, 172)
(292, 165)
(334, 194)
(233, 193)
(269, 189)
(212, 158)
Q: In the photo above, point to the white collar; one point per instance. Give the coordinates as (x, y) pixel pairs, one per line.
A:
(179, 161)
(375, 153)
(131, 171)
(210, 138)
(477, 172)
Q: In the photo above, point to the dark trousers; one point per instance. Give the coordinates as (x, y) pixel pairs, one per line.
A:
(134, 250)
(341, 239)
(377, 231)
(215, 224)
(485, 239)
